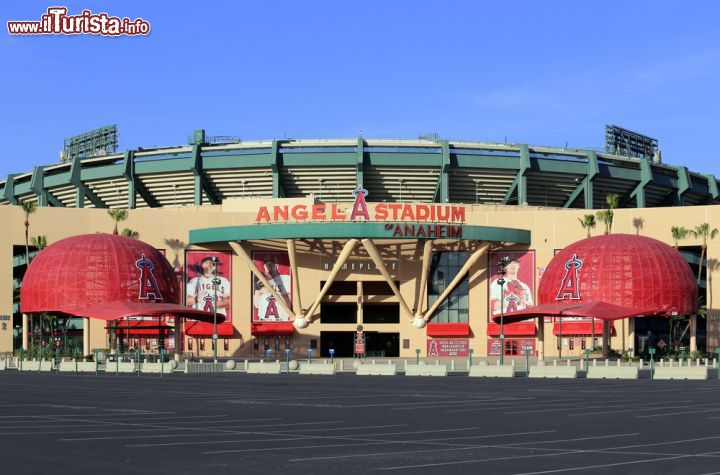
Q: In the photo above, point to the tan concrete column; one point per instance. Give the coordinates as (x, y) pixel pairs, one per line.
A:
(693, 332)
(541, 338)
(178, 338)
(292, 255)
(86, 336)
(25, 329)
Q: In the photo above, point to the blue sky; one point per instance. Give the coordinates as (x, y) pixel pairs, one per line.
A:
(550, 73)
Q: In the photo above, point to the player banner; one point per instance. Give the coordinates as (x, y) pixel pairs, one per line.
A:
(519, 288)
(276, 268)
(199, 289)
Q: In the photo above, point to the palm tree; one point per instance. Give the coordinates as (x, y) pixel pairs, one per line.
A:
(39, 242)
(127, 232)
(28, 207)
(612, 200)
(606, 217)
(703, 232)
(117, 215)
(679, 233)
(588, 222)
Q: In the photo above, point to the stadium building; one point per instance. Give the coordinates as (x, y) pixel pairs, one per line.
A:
(361, 246)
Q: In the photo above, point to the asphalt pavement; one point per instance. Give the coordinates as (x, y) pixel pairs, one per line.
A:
(239, 423)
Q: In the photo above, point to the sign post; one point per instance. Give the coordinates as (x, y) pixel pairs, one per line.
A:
(360, 342)
(287, 359)
(527, 362)
(309, 353)
(332, 354)
(652, 362)
(587, 360)
(470, 353)
(162, 363)
(42, 348)
(138, 362)
(417, 356)
(117, 360)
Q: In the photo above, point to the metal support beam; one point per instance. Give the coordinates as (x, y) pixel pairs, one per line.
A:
(646, 176)
(202, 184)
(360, 163)
(82, 191)
(586, 186)
(292, 254)
(519, 184)
(277, 189)
(712, 188)
(247, 260)
(135, 186)
(684, 183)
(9, 190)
(342, 258)
(442, 190)
(369, 246)
(458, 278)
(37, 186)
(421, 301)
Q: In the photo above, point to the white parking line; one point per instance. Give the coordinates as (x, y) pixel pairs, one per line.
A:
(299, 437)
(220, 432)
(606, 465)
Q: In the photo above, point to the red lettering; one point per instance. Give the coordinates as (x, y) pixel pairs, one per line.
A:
(280, 213)
(394, 208)
(423, 212)
(336, 213)
(381, 211)
(458, 214)
(318, 212)
(262, 215)
(407, 213)
(299, 212)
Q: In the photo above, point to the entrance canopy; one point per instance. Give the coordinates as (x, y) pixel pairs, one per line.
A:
(600, 310)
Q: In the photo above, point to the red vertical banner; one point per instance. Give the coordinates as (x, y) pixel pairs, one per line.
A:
(199, 287)
(518, 292)
(276, 268)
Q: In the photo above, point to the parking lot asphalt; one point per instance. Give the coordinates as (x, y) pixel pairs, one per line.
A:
(239, 423)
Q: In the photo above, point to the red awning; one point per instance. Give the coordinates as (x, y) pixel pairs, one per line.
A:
(581, 328)
(600, 310)
(206, 329)
(126, 308)
(140, 328)
(272, 329)
(512, 329)
(448, 329)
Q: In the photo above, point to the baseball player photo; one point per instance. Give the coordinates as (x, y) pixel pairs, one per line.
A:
(200, 290)
(516, 293)
(276, 269)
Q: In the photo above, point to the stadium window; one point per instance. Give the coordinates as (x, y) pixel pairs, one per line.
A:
(443, 269)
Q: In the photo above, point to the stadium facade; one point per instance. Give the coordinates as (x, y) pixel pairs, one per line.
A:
(359, 233)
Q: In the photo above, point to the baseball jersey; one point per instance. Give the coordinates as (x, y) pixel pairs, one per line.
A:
(202, 289)
(268, 309)
(517, 295)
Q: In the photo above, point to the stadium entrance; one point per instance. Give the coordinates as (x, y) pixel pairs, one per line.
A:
(342, 342)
